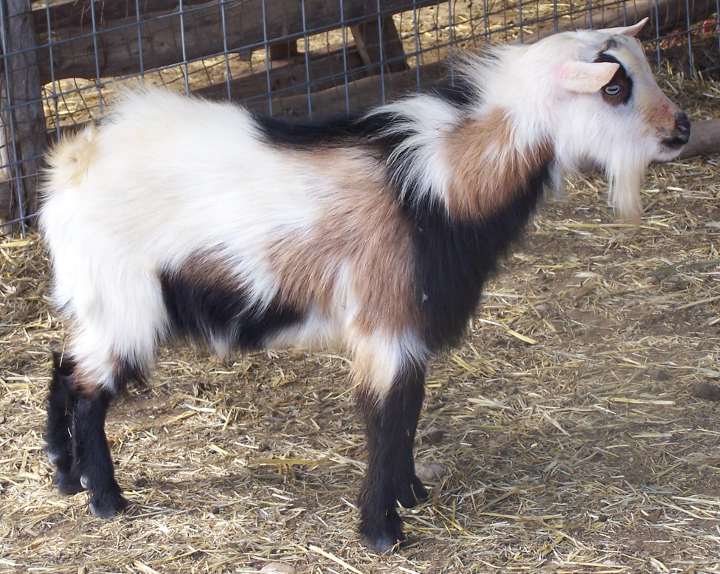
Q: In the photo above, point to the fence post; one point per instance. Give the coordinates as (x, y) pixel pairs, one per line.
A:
(22, 113)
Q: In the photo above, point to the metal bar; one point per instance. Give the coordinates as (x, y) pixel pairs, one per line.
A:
(417, 44)
(19, 195)
(381, 55)
(691, 56)
(21, 220)
(486, 19)
(346, 75)
(139, 37)
(306, 44)
(657, 32)
(268, 62)
(101, 104)
(717, 22)
(53, 91)
(188, 10)
(186, 70)
(451, 23)
(228, 72)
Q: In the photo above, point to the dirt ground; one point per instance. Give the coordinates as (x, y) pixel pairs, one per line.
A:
(577, 429)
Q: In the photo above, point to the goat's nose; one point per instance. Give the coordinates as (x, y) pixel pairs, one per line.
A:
(681, 134)
(682, 125)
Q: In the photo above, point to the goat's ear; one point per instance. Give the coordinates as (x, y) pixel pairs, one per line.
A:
(632, 31)
(586, 77)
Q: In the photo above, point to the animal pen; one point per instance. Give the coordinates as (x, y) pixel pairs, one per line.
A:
(64, 60)
(576, 430)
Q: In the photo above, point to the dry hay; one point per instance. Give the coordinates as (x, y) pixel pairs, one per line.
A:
(576, 430)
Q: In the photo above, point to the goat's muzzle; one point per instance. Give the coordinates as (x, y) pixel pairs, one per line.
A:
(681, 133)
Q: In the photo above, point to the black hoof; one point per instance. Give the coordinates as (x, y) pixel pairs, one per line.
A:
(413, 493)
(67, 482)
(107, 504)
(382, 537)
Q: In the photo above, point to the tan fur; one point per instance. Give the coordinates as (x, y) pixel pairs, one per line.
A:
(84, 383)
(207, 269)
(73, 155)
(361, 228)
(488, 170)
(660, 114)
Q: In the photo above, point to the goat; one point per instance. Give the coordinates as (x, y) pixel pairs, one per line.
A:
(182, 217)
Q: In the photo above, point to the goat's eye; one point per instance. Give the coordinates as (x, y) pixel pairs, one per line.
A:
(612, 89)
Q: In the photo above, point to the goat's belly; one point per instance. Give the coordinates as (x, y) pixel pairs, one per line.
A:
(314, 331)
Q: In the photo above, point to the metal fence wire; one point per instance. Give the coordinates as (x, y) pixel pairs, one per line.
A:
(64, 60)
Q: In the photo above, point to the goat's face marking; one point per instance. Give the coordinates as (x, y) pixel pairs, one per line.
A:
(606, 107)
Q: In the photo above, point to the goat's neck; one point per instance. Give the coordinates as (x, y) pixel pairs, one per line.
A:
(490, 166)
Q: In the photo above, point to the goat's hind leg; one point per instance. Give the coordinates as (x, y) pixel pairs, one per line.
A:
(91, 454)
(58, 431)
(76, 441)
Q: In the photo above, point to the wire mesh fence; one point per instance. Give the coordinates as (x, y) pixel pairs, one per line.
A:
(63, 61)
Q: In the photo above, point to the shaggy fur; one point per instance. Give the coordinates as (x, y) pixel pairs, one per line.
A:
(180, 217)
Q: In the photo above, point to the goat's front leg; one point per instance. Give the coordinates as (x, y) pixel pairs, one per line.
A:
(391, 416)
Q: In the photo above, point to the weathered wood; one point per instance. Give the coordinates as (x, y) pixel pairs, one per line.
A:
(363, 94)
(325, 71)
(284, 50)
(671, 15)
(118, 49)
(367, 36)
(704, 139)
(21, 106)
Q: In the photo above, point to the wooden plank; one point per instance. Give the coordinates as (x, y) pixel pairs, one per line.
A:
(671, 16)
(22, 105)
(118, 48)
(704, 139)
(284, 50)
(325, 71)
(363, 94)
(367, 36)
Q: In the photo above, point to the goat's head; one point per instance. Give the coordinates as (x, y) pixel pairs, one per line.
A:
(593, 95)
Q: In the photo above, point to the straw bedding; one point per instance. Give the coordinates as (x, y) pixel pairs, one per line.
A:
(576, 430)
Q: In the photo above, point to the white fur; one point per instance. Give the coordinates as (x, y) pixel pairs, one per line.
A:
(167, 177)
(428, 119)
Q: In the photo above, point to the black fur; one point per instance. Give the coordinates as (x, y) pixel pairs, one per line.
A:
(199, 309)
(454, 259)
(91, 454)
(621, 78)
(457, 92)
(356, 129)
(76, 442)
(390, 476)
(126, 371)
(333, 132)
(58, 431)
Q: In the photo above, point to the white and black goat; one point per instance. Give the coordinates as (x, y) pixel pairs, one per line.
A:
(181, 217)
